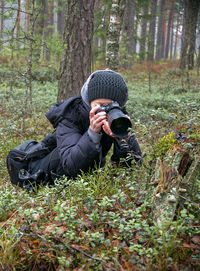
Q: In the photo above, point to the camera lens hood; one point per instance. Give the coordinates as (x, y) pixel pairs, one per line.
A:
(119, 123)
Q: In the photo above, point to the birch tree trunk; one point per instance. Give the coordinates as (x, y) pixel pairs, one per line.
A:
(113, 34)
(75, 65)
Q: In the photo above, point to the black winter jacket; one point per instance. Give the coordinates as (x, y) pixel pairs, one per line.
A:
(77, 151)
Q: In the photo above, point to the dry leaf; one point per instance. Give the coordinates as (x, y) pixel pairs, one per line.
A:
(196, 239)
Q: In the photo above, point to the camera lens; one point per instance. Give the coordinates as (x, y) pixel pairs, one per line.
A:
(120, 127)
(119, 123)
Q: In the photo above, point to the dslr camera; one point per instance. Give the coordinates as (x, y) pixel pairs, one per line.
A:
(119, 123)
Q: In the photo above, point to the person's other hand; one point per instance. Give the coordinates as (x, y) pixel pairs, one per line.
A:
(107, 129)
(97, 120)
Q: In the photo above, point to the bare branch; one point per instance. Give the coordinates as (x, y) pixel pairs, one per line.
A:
(16, 9)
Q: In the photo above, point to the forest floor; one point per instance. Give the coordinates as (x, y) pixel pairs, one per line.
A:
(106, 220)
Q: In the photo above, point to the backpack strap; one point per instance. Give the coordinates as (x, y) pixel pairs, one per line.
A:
(38, 153)
(56, 112)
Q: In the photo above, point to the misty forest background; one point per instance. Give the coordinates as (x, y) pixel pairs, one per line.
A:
(138, 218)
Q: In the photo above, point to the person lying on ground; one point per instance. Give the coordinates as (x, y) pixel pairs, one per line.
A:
(83, 134)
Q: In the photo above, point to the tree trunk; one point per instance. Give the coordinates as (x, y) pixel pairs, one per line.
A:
(192, 41)
(60, 17)
(49, 27)
(184, 39)
(2, 3)
(75, 66)
(160, 34)
(198, 60)
(135, 34)
(2, 21)
(41, 15)
(39, 27)
(152, 30)
(18, 18)
(172, 37)
(143, 32)
(128, 38)
(176, 36)
(27, 16)
(101, 21)
(164, 36)
(169, 28)
(51, 17)
(12, 58)
(113, 34)
(30, 53)
(189, 33)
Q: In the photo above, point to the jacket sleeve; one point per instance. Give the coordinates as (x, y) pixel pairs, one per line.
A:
(127, 149)
(77, 151)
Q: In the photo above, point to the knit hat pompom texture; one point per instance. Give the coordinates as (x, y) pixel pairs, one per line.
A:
(107, 84)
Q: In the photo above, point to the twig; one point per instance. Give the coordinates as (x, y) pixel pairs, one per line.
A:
(83, 252)
(9, 218)
(12, 216)
(196, 164)
(194, 203)
(104, 265)
(89, 256)
(16, 10)
(15, 213)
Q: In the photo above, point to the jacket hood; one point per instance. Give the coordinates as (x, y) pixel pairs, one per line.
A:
(58, 110)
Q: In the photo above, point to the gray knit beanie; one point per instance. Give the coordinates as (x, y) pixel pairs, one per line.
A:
(105, 84)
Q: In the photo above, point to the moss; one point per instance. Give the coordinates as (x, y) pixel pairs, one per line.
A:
(195, 136)
(165, 144)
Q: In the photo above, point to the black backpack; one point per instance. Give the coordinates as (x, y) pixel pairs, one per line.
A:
(33, 163)
(30, 163)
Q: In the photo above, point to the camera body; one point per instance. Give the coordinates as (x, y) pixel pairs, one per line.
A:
(107, 107)
(119, 123)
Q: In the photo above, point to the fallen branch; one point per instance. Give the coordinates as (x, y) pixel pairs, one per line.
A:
(83, 252)
(89, 256)
(104, 265)
(195, 165)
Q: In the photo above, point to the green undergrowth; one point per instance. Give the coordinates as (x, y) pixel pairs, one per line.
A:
(102, 220)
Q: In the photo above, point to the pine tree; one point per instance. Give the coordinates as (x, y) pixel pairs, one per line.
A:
(75, 65)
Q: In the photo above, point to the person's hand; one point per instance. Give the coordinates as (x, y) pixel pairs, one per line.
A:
(97, 120)
(107, 129)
